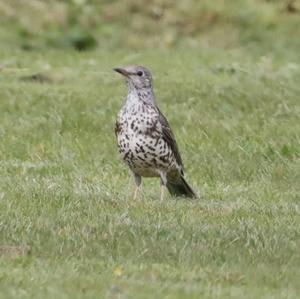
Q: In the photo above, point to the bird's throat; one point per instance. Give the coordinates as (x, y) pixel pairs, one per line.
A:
(137, 96)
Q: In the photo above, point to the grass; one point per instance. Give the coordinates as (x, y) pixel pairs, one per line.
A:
(68, 225)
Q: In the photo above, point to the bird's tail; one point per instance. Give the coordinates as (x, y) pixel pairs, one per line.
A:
(180, 187)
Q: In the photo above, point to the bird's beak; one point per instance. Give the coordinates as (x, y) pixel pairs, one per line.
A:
(122, 71)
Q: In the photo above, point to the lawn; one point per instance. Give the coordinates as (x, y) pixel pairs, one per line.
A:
(68, 225)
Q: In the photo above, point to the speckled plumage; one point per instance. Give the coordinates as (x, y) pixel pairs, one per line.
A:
(145, 140)
(141, 143)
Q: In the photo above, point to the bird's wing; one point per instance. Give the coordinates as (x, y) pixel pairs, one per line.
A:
(169, 137)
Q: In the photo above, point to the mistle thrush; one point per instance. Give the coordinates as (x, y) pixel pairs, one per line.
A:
(145, 139)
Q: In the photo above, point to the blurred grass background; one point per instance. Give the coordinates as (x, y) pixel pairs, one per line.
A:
(82, 24)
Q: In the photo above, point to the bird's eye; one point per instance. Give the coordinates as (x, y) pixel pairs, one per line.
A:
(140, 73)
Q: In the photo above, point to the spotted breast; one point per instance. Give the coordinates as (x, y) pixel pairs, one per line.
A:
(140, 142)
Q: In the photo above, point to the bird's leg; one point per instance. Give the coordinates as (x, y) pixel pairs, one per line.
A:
(136, 191)
(162, 191)
(163, 181)
(138, 181)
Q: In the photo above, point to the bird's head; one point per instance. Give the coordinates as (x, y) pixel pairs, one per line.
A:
(137, 77)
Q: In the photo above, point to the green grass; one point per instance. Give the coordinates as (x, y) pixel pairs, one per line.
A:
(68, 225)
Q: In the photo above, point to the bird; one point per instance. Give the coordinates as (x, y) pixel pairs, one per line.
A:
(144, 137)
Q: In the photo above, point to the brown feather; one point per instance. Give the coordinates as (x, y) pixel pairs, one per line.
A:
(170, 138)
